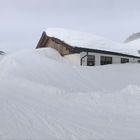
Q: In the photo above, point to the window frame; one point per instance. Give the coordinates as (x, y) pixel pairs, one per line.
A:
(90, 61)
(104, 60)
(124, 60)
(138, 61)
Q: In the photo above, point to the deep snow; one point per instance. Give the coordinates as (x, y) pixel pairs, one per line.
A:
(43, 96)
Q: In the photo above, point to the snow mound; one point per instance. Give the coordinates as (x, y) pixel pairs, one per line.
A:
(42, 97)
(73, 58)
(86, 40)
(46, 66)
(27, 63)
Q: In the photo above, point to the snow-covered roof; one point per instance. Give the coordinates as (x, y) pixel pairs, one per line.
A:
(87, 40)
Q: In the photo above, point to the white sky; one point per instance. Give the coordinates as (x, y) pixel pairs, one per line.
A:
(22, 22)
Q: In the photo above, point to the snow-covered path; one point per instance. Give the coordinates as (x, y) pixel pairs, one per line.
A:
(43, 98)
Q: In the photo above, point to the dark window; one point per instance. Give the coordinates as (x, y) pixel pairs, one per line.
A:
(138, 61)
(105, 60)
(90, 60)
(124, 60)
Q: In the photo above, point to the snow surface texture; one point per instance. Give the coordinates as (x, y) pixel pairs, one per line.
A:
(42, 96)
(73, 58)
(86, 40)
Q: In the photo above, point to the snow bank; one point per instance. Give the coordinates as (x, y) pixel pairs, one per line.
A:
(73, 58)
(86, 40)
(43, 67)
(44, 97)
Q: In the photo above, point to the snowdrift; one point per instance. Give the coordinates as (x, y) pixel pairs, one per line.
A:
(42, 96)
(46, 66)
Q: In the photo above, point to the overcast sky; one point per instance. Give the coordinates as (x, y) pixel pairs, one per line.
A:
(22, 22)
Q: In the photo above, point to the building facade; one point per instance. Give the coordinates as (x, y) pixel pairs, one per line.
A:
(96, 59)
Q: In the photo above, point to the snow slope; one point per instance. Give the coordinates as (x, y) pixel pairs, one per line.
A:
(42, 96)
(73, 58)
(86, 40)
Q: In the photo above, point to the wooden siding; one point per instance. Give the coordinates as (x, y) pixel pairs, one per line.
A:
(59, 47)
(46, 41)
(43, 41)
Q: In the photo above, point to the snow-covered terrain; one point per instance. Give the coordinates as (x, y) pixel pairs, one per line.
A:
(43, 96)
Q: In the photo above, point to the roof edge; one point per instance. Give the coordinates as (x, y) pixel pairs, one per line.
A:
(43, 36)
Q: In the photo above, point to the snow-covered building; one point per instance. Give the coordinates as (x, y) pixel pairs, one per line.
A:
(90, 50)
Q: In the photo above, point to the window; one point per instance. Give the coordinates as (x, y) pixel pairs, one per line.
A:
(124, 60)
(104, 60)
(90, 60)
(138, 61)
